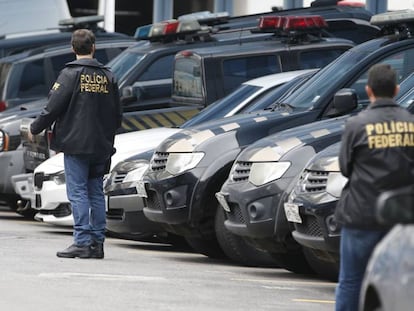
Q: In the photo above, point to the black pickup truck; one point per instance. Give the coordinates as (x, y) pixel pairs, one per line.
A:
(181, 194)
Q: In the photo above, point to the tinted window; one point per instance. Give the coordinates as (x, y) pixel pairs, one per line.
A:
(160, 69)
(220, 108)
(317, 59)
(238, 70)
(403, 64)
(123, 63)
(59, 61)
(101, 56)
(32, 80)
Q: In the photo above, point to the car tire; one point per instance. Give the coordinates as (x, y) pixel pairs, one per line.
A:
(237, 249)
(294, 260)
(206, 246)
(326, 269)
(27, 213)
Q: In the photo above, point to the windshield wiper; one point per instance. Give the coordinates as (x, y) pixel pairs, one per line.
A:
(282, 106)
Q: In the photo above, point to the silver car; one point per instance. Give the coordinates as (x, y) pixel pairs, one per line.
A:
(389, 279)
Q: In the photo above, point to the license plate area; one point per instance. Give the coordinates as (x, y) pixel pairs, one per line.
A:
(292, 212)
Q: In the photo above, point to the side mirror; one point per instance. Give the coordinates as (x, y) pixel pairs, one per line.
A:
(130, 94)
(345, 100)
(396, 206)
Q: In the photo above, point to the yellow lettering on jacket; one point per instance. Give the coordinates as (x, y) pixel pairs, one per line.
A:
(94, 83)
(390, 134)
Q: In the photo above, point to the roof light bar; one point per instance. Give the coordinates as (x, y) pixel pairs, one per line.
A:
(390, 18)
(167, 28)
(291, 23)
(164, 28)
(206, 17)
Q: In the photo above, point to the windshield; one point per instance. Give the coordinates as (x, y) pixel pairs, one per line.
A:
(308, 94)
(221, 107)
(405, 96)
(275, 95)
(124, 62)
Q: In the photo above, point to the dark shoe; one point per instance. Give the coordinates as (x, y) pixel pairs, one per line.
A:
(97, 250)
(75, 251)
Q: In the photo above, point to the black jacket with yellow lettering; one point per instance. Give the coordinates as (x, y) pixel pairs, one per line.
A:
(377, 154)
(85, 109)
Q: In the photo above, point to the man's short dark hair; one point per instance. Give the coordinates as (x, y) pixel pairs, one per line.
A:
(382, 79)
(83, 41)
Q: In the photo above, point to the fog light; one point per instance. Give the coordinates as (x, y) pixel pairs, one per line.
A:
(331, 224)
(169, 198)
(256, 210)
(175, 197)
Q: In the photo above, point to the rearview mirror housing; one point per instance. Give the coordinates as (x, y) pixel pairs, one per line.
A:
(345, 100)
(130, 94)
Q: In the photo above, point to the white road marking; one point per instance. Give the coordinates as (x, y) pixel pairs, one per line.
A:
(287, 282)
(107, 277)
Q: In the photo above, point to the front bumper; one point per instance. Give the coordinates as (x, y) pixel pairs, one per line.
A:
(254, 210)
(59, 217)
(51, 196)
(125, 213)
(23, 186)
(318, 229)
(169, 198)
(11, 163)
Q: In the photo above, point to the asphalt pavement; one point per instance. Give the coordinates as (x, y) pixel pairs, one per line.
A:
(138, 276)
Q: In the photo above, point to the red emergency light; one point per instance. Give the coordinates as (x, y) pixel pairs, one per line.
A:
(164, 28)
(355, 4)
(186, 53)
(3, 106)
(290, 23)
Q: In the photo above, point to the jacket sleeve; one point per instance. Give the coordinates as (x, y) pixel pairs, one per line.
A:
(346, 149)
(58, 100)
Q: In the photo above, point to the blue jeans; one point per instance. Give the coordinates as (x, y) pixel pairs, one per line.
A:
(84, 187)
(355, 250)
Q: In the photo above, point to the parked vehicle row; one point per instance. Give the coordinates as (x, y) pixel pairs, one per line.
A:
(146, 94)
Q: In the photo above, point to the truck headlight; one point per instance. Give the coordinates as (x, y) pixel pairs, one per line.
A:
(58, 178)
(181, 162)
(4, 141)
(264, 172)
(137, 173)
(335, 183)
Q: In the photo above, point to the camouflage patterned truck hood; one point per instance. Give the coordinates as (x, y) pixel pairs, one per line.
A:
(247, 128)
(326, 160)
(275, 147)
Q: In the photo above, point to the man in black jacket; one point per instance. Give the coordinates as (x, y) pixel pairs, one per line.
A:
(377, 154)
(84, 107)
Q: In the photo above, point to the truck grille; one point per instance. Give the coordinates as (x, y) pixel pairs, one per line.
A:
(152, 202)
(236, 215)
(118, 177)
(159, 161)
(309, 226)
(241, 171)
(313, 181)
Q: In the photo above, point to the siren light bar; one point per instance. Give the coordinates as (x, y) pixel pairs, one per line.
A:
(167, 28)
(392, 18)
(206, 17)
(291, 23)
